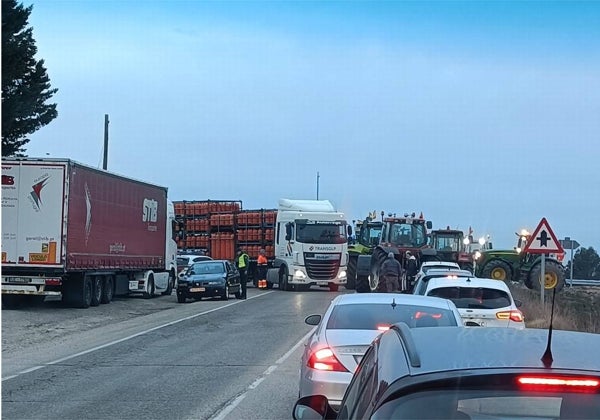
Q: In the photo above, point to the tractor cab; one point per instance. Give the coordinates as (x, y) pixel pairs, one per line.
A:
(452, 245)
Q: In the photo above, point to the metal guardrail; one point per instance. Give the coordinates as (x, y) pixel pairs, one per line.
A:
(579, 282)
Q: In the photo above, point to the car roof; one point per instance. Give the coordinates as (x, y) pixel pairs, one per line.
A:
(495, 347)
(440, 263)
(467, 282)
(384, 298)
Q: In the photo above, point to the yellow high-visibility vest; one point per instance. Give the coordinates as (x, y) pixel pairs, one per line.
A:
(242, 260)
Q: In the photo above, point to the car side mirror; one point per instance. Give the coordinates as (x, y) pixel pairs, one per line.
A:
(313, 407)
(313, 319)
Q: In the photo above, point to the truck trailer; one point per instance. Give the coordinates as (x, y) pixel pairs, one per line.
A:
(82, 233)
(311, 246)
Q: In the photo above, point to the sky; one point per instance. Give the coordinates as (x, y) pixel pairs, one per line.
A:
(478, 114)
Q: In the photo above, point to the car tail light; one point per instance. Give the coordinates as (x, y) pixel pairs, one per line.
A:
(420, 314)
(383, 327)
(556, 383)
(515, 315)
(324, 359)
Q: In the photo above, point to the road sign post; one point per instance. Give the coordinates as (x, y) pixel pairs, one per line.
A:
(571, 244)
(543, 241)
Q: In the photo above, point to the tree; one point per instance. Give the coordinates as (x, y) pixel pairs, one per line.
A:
(25, 84)
(586, 264)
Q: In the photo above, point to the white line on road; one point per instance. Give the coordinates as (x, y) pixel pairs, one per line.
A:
(232, 404)
(81, 353)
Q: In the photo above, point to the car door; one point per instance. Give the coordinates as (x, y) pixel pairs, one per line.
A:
(233, 275)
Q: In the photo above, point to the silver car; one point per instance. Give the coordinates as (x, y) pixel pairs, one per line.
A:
(348, 327)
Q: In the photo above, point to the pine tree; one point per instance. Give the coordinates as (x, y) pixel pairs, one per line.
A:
(25, 84)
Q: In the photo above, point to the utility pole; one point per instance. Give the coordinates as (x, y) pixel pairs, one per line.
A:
(105, 161)
(318, 185)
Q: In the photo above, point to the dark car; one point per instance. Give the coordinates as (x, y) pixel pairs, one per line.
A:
(214, 278)
(470, 373)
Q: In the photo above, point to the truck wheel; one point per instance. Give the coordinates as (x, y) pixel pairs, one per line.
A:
(107, 290)
(171, 283)
(85, 293)
(150, 293)
(283, 279)
(97, 291)
(497, 270)
(554, 276)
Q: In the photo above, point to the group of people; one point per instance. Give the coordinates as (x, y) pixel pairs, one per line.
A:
(242, 262)
(393, 278)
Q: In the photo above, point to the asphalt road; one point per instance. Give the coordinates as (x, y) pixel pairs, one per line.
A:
(202, 360)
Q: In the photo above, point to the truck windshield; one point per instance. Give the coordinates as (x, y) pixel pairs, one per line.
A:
(447, 243)
(321, 233)
(408, 234)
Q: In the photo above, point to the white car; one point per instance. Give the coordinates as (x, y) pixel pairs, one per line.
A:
(438, 264)
(348, 327)
(184, 261)
(481, 302)
(423, 278)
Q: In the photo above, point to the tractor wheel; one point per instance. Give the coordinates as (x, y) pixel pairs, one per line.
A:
(554, 276)
(351, 272)
(497, 270)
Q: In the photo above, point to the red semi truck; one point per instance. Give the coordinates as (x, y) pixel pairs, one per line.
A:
(83, 233)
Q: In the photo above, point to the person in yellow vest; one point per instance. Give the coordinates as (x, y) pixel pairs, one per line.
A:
(242, 261)
(262, 269)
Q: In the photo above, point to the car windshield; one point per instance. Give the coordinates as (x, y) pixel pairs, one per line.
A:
(321, 233)
(491, 404)
(207, 268)
(447, 243)
(473, 297)
(426, 268)
(373, 316)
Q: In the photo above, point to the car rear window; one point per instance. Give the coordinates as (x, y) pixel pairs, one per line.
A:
(375, 316)
(182, 261)
(473, 297)
(207, 268)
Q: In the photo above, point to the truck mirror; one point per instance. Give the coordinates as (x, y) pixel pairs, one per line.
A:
(428, 224)
(490, 245)
(349, 230)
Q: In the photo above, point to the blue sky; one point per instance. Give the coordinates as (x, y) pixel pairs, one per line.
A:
(482, 114)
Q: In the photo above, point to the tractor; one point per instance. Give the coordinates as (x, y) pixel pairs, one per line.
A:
(398, 235)
(452, 245)
(367, 233)
(516, 265)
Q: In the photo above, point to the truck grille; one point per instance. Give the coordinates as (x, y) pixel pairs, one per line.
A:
(322, 269)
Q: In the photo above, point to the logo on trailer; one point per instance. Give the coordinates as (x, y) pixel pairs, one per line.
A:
(8, 180)
(36, 194)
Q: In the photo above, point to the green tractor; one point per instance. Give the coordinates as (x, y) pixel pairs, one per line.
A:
(515, 265)
(368, 232)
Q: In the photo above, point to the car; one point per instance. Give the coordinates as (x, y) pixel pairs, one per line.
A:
(185, 260)
(481, 302)
(437, 264)
(470, 373)
(349, 325)
(209, 279)
(421, 280)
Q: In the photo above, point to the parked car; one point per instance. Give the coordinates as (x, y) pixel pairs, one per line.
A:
(481, 302)
(438, 264)
(422, 278)
(469, 373)
(184, 261)
(209, 279)
(349, 325)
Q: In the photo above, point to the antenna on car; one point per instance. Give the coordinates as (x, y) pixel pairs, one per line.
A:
(547, 357)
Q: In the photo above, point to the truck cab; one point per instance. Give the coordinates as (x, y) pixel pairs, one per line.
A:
(311, 246)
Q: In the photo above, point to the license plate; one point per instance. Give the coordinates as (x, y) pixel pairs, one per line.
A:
(19, 280)
(133, 284)
(197, 289)
(322, 283)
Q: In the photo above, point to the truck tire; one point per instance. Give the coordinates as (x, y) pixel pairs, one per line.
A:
(170, 285)
(351, 272)
(97, 285)
(554, 276)
(283, 279)
(108, 289)
(497, 270)
(150, 293)
(84, 295)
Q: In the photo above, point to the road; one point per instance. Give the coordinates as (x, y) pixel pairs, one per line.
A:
(201, 360)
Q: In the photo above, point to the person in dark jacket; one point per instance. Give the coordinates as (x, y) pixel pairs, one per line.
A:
(411, 271)
(389, 275)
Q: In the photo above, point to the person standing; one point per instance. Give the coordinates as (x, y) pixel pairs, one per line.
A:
(242, 262)
(389, 275)
(262, 269)
(412, 267)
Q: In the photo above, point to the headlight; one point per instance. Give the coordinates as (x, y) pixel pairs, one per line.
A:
(477, 255)
(299, 274)
(342, 274)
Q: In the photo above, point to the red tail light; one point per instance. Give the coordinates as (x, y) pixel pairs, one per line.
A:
(556, 383)
(383, 327)
(324, 359)
(515, 315)
(420, 314)
(53, 282)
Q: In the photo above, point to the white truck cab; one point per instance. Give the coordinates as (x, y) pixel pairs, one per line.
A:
(311, 246)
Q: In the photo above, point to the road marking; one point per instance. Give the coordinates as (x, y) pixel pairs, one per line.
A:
(232, 404)
(112, 343)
